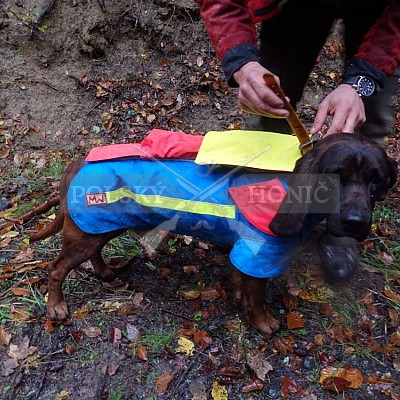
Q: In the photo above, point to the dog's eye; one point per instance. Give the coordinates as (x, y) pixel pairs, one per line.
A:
(377, 181)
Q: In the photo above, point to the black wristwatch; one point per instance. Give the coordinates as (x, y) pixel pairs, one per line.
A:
(364, 85)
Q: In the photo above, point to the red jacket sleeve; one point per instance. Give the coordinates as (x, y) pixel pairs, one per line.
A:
(381, 45)
(229, 23)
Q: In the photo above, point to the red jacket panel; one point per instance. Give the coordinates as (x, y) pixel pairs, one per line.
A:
(230, 23)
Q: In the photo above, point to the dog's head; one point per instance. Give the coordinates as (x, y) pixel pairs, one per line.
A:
(365, 174)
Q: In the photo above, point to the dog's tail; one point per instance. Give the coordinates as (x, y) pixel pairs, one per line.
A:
(53, 228)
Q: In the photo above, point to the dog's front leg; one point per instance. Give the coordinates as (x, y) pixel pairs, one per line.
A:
(57, 308)
(254, 300)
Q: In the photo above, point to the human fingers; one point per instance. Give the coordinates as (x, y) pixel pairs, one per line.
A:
(254, 95)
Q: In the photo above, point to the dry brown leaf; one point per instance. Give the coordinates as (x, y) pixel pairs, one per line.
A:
(295, 320)
(115, 335)
(21, 314)
(209, 294)
(133, 333)
(319, 339)
(288, 387)
(163, 381)
(126, 309)
(394, 339)
(252, 386)
(141, 352)
(22, 351)
(81, 312)
(26, 254)
(5, 242)
(92, 331)
(191, 294)
(284, 344)
(353, 376)
(202, 339)
(112, 368)
(69, 349)
(290, 301)
(259, 365)
(5, 336)
(392, 295)
(48, 326)
(137, 299)
(21, 291)
(4, 152)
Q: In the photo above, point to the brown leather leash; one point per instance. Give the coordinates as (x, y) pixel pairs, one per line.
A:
(306, 142)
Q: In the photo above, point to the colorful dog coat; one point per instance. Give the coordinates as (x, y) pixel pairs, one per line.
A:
(226, 205)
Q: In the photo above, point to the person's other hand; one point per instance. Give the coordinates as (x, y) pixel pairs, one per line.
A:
(255, 96)
(346, 108)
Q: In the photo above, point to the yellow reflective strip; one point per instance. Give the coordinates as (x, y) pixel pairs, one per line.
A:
(195, 207)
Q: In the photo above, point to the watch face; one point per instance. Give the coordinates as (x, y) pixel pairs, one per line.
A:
(366, 86)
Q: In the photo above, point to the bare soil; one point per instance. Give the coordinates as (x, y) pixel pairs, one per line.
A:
(95, 75)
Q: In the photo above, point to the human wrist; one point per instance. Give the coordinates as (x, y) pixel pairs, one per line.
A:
(357, 68)
(236, 58)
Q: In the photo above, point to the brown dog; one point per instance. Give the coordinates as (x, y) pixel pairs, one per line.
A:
(366, 175)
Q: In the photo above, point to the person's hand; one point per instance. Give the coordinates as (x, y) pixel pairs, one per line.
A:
(255, 96)
(346, 108)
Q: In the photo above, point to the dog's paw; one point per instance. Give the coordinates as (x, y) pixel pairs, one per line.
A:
(58, 312)
(265, 323)
(106, 274)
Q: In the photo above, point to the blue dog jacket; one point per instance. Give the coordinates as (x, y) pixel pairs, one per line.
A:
(222, 204)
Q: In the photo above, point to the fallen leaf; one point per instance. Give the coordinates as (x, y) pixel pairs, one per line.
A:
(163, 381)
(259, 365)
(4, 152)
(191, 294)
(81, 312)
(92, 331)
(392, 295)
(115, 335)
(252, 386)
(284, 344)
(190, 270)
(335, 384)
(78, 336)
(9, 366)
(112, 368)
(352, 375)
(290, 301)
(21, 314)
(11, 234)
(5, 336)
(394, 338)
(202, 339)
(23, 350)
(62, 395)
(288, 386)
(21, 291)
(141, 352)
(295, 320)
(133, 333)
(69, 349)
(48, 326)
(137, 299)
(185, 346)
(209, 294)
(219, 392)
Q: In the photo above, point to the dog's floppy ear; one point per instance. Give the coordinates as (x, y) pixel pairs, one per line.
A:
(391, 178)
(291, 215)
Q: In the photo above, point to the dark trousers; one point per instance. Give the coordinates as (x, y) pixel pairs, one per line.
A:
(291, 42)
